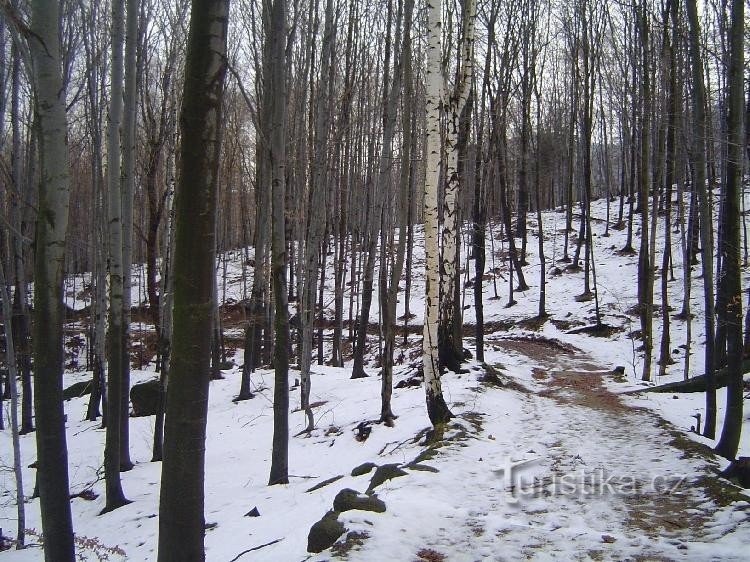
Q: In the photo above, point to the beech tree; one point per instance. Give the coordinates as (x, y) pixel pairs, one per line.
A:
(181, 518)
(274, 78)
(116, 334)
(706, 230)
(49, 269)
(730, 280)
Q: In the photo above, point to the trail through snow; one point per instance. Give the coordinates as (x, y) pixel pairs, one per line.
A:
(592, 478)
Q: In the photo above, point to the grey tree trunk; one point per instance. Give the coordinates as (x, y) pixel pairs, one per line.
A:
(407, 177)
(10, 358)
(645, 277)
(49, 268)
(316, 211)
(274, 77)
(706, 229)
(731, 275)
(21, 315)
(127, 187)
(115, 336)
(181, 503)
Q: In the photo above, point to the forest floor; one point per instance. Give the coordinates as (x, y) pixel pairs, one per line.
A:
(546, 457)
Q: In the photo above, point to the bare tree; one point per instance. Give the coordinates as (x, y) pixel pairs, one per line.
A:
(181, 517)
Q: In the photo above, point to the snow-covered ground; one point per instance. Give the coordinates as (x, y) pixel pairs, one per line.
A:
(594, 475)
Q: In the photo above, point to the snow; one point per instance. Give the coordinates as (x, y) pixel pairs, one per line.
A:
(563, 418)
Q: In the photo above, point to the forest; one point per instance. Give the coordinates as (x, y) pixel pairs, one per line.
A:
(333, 279)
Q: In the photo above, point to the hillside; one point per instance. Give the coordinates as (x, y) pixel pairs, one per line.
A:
(595, 474)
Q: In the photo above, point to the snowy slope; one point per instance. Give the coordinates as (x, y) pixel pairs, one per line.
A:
(560, 415)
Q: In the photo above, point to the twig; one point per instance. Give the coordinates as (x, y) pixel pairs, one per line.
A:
(254, 548)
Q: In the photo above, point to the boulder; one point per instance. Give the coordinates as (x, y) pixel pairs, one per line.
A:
(364, 468)
(325, 532)
(145, 398)
(348, 499)
(77, 390)
(385, 473)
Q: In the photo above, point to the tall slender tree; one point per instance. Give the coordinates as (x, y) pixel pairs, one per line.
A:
(730, 280)
(437, 409)
(706, 230)
(274, 77)
(449, 331)
(181, 518)
(115, 336)
(49, 268)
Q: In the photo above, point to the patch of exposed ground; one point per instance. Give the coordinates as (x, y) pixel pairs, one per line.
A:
(680, 507)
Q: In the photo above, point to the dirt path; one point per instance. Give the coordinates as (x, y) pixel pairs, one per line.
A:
(664, 485)
(556, 468)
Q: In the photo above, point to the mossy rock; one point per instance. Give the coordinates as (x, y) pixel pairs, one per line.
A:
(77, 390)
(385, 473)
(325, 532)
(364, 468)
(348, 499)
(145, 398)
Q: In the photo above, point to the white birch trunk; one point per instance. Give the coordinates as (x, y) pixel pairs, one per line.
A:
(454, 107)
(436, 408)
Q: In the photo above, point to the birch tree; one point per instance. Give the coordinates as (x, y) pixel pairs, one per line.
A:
(437, 409)
(450, 346)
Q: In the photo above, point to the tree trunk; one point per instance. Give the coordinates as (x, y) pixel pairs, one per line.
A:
(116, 335)
(456, 138)
(437, 409)
(645, 278)
(10, 357)
(731, 278)
(274, 78)
(127, 187)
(706, 229)
(181, 518)
(49, 265)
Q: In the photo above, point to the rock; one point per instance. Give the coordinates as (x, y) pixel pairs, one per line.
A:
(411, 382)
(364, 468)
(348, 499)
(253, 512)
(325, 532)
(145, 398)
(384, 473)
(76, 390)
(362, 431)
(423, 467)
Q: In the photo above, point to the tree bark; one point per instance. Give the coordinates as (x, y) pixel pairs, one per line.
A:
(181, 518)
(437, 409)
(49, 267)
(274, 77)
(116, 335)
(706, 229)
(731, 271)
